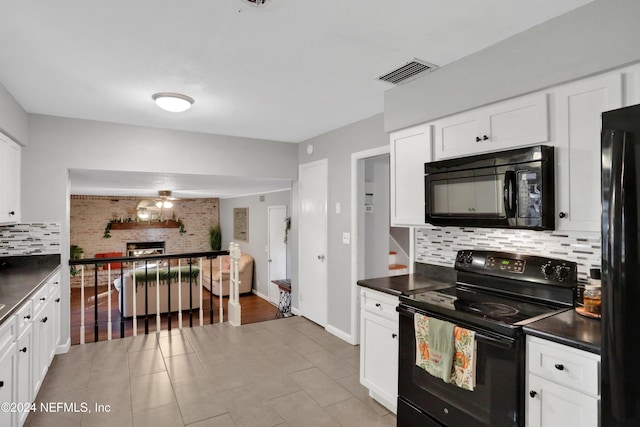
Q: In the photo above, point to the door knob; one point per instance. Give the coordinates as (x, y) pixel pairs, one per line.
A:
(321, 257)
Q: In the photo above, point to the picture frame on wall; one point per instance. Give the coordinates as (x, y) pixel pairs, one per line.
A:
(241, 224)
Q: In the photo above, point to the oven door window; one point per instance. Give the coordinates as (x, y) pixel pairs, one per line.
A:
(495, 401)
(468, 196)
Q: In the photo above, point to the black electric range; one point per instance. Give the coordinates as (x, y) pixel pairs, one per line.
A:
(495, 295)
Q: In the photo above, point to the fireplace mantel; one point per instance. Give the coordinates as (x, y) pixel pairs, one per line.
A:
(144, 225)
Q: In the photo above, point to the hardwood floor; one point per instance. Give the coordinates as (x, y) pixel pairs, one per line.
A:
(254, 309)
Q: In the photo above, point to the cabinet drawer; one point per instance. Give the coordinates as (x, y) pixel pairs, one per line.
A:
(7, 333)
(379, 303)
(564, 365)
(40, 298)
(24, 316)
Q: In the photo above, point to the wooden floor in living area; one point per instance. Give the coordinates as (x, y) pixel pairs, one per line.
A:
(254, 309)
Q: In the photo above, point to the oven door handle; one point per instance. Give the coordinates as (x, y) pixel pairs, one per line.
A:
(494, 339)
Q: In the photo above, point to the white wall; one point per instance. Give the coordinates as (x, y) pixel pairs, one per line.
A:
(337, 146)
(376, 229)
(258, 231)
(599, 36)
(59, 144)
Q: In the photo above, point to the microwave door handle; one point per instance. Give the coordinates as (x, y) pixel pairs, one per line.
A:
(510, 194)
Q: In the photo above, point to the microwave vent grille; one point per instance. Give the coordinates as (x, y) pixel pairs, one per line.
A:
(408, 71)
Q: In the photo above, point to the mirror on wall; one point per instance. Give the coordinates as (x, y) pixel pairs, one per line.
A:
(146, 210)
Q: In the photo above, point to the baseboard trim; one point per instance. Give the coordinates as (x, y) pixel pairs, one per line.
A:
(260, 294)
(340, 334)
(295, 311)
(64, 348)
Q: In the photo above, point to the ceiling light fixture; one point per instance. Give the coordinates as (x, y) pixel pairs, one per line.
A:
(173, 102)
(166, 204)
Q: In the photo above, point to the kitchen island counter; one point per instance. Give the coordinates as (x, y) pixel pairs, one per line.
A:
(20, 277)
(569, 328)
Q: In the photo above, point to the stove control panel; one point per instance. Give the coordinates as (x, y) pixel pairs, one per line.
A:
(520, 266)
(505, 264)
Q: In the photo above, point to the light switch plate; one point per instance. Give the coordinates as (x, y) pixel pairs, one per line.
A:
(346, 238)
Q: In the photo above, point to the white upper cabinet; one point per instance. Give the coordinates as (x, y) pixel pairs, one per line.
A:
(504, 125)
(410, 150)
(578, 109)
(10, 155)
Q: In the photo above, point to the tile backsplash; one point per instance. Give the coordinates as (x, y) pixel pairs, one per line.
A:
(439, 245)
(37, 238)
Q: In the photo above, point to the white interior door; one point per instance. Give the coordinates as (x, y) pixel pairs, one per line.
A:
(312, 256)
(277, 250)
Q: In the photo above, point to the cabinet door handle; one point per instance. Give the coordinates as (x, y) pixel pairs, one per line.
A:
(23, 349)
(533, 393)
(1, 383)
(28, 316)
(485, 137)
(12, 213)
(562, 214)
(43, 299)
(478, 139)
(378, 305)
(57, 299)
(559, 366)
(44, 320)
(394, 335)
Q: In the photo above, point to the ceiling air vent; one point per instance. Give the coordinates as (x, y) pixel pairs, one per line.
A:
(408, 71)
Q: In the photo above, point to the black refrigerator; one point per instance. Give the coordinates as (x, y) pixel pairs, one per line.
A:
(621, 267)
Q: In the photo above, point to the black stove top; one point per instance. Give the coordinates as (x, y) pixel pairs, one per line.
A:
(471, 307)
(501, 292)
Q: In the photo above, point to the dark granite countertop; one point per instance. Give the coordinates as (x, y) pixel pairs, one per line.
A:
(428, 277)
(21, 276)
(569, 328)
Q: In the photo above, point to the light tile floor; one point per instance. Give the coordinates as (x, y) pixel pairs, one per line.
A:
(285, 372)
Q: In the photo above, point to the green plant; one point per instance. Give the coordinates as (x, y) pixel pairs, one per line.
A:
(75, 252)
(215, 237)
(182, 229)
(107, 230)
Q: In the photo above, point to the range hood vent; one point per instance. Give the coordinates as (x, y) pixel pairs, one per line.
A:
(411, 69)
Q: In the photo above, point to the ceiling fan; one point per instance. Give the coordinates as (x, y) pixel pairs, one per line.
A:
(165, 200)
(153, 209)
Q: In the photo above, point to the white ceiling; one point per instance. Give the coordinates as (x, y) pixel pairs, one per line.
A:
(287, 72)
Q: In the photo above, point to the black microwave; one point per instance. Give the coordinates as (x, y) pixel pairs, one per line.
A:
(507, 189)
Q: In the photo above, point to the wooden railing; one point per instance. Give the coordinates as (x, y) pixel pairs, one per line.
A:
(150, 268)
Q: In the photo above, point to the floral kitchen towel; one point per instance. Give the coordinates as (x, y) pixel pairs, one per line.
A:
(434, 346)
(464, 360)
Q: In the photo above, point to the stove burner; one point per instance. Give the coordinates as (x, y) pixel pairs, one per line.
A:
(493, 309)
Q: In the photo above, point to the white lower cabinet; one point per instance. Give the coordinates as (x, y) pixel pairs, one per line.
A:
(7, 369)
(44, 333)
(379, 346)
(28, 341)
(24, 347)
(563, 385)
